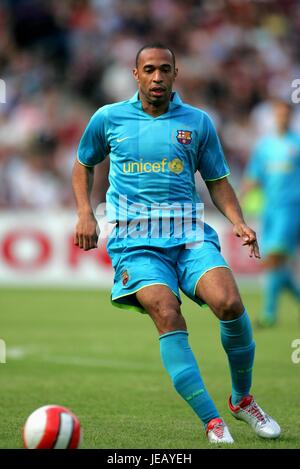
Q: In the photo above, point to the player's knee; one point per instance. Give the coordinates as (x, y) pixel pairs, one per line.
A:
(171, 321)
(228, 307)
(167, 316)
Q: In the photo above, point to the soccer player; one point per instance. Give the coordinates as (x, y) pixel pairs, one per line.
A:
(275, 166)
(156, 144)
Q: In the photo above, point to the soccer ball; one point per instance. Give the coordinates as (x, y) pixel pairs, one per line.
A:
(52, 427)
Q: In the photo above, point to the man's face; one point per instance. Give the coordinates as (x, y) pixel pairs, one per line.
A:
(282, 113)
(155, 75)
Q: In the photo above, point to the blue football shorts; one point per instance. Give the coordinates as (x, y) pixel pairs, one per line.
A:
(281, 231)
(174, 266)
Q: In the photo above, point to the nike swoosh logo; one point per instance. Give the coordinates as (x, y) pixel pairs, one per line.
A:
(122, 139)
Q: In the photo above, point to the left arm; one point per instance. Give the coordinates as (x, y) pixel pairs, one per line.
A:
(225, 199)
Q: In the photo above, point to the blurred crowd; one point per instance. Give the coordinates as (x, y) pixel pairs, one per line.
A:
(61, 60)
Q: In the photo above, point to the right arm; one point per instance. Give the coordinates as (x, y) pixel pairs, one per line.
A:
(85, 236)
(92, 150)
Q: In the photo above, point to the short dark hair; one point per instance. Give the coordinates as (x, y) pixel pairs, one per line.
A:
(154, 45)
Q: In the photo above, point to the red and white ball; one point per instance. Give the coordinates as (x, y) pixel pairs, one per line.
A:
(52, 427)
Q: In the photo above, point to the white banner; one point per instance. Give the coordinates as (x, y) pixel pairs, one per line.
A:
(38, 249)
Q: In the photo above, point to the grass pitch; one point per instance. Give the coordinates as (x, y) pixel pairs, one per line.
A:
(75, 349)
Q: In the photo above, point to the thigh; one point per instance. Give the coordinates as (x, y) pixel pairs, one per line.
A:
(136, 268)
(218, 289)
(193, 264)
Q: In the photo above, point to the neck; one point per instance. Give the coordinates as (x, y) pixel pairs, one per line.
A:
(156, 109)
(282, 130)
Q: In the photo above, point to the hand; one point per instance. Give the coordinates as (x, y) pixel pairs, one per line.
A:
(86, 232)
(249, 238)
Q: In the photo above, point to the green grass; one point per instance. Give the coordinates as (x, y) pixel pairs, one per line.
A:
(73, 348)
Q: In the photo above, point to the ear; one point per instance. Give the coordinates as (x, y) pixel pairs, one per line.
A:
(135, 74)
(175, 73)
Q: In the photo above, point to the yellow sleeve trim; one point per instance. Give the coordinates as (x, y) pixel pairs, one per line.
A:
(83, 164)
(217, 179)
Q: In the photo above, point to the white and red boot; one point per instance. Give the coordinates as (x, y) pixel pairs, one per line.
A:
(249, 411)
(217, 432)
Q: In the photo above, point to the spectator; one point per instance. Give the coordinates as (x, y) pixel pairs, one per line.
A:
(63, 60)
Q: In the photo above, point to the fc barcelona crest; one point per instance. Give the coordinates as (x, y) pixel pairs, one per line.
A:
(125, 277)
(184, 136)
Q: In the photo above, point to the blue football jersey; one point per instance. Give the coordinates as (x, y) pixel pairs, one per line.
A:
(153, 160)
(275, 165)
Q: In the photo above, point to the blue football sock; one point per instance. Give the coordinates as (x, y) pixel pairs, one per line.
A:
(276, 281)
(182, 367)
(236, 337)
